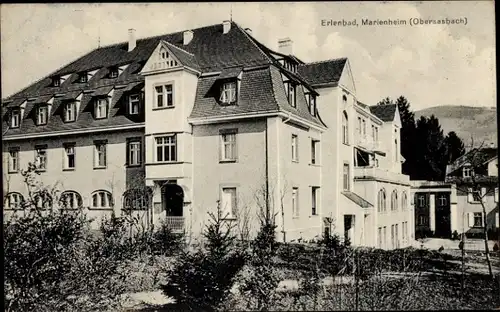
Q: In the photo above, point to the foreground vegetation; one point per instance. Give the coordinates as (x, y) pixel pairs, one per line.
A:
(55, 262)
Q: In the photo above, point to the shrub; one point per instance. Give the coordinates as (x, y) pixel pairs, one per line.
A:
(203, 279)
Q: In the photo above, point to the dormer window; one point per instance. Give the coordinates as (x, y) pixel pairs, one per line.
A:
(113, 72)
(312, 103)
(228, 93)
(15, 118)
(133, 104)
(467, 172)
(82, 77)
(56, 81)
(70, 112)
(291, 93)
(42, 114)
(101, 108)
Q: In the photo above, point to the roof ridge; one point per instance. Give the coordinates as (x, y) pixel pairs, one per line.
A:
(178, 47)
(324, 61)
(253, 41)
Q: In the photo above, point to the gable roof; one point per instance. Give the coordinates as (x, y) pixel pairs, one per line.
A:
(384, 112)
(323, 72)
(478, 156)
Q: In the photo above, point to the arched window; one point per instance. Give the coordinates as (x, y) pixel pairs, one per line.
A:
(101, 200)
(394, 201)
(163, 53)
(42, 199)
(137, 199)
(344, 99)
(381, 201)
(70, 200)
(404, 201)
(345, 128)
(13, 200)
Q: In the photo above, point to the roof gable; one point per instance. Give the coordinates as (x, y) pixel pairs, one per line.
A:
(346, 79)
(161, 58)
(325, 72)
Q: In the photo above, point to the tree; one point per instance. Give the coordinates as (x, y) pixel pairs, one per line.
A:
(455, 146)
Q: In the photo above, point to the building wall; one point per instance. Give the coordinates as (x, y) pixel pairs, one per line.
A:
(493, 168)
(465, 207)
(115, 178)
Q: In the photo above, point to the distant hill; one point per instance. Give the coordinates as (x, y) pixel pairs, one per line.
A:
(480, 122)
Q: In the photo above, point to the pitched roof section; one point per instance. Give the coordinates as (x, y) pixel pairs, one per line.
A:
(325, 72)
(477, 156)
(384, 112)
(186, 58)
(360, 201)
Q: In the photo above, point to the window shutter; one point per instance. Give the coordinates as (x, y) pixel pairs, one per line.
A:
(470, 197)
(127, 152)
(497, 222)
(470, 216)
(496, 194)
(483, 217)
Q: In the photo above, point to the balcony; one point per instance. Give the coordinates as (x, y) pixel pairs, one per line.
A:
(375, 173)
(175, 223)
(369, 144)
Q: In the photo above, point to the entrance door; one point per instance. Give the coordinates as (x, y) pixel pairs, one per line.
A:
(349, 228)
(172, 200)
(443, 216)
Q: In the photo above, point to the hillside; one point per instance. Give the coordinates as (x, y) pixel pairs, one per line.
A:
(466, 121)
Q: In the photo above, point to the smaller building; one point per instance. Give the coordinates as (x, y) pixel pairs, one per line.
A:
(456, 204)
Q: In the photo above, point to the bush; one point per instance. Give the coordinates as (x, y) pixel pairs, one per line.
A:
(202, 279)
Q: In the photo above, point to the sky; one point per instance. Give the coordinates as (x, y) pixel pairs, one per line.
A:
(430, 65)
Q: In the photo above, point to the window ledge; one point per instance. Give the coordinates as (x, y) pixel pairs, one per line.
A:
(166, 163)
(133, 166)
(100, 168)
(68, 169)
(40, 170)
(315, 165)
(295, 161)
(346, 144)
(230, 218)
(100, 208)
(160, 108)
(227, 161)
(101, 118)
(296, 217)
(13, 172)
(314, 216)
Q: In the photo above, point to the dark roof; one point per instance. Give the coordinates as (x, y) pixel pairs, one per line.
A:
(209, 51)
(360, 201)
(323, 72)
(384, 112)
(476, 156)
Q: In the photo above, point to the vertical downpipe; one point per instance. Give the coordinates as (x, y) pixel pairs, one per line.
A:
(267, 172)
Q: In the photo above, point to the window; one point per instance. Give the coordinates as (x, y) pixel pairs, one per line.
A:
(133, 104)
(359, 126)
(228, 145)
(314, 200)
(496, 194)
(364, 128)
(478, 219)
(295, 202)
(312, 104)
(163, 53)
(346, 177)
(423, 220)
(101, 199)
(41, 157)
(42, 114)
(70, 200)
(396, 236)
(396, 152)
(113, 72)
(404, 201)
(474, 196)
(164, 96)
(393, 240)
(381, 201)
(373, 132)
(69, 151)
(82, 77)
(379, 232)
(376, 134)
(384, 236)
(295, 147)
(14, 200)
(314, 152)
(228, 203)
(137, 199)
(290, 91)
(70, 112)
(56, 81)
(442, 200)
(134, 152)
(394, 201)
(166, 148)
(15, 118)
(467, 172)
(43, 200)
(13, 159)
(345, 128)
(101, 108)
(344, 99)
(228, 93)
(100, 160)
(421, 201)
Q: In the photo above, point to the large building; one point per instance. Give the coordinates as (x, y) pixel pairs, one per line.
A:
(456, 204)
(208, 116)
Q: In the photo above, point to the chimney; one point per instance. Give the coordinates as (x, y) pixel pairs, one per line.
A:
(131, 39)
(285, 46)
(226, 27)
(188, 36)
(492, 144)
(249, 31)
